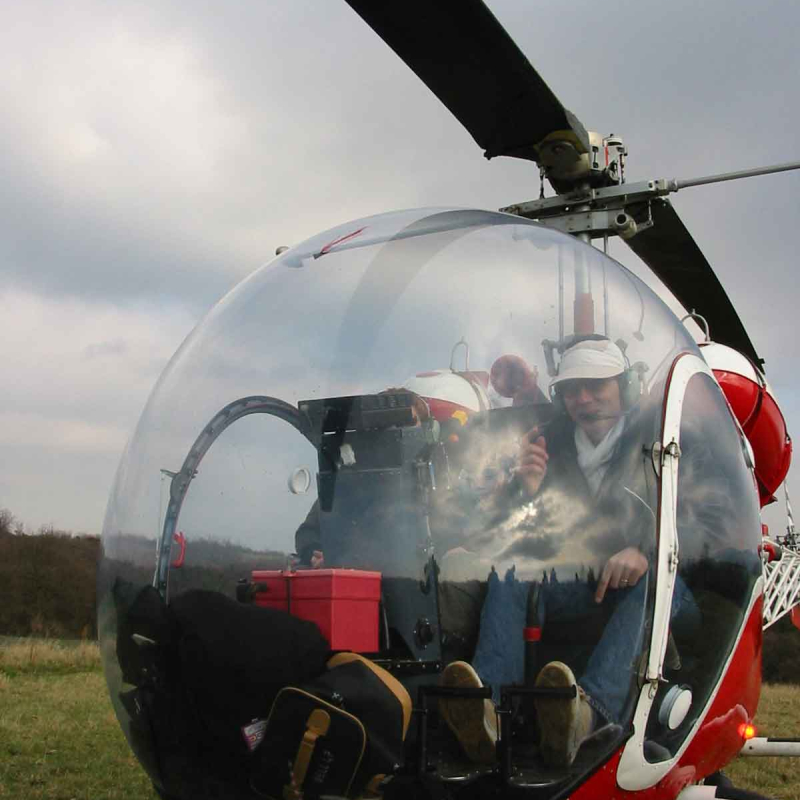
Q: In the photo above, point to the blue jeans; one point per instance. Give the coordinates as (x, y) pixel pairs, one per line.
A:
(500, 653)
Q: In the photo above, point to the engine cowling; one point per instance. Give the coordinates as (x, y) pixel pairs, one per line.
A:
(753, 404)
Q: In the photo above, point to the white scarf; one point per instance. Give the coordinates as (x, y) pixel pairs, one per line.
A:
(594, 460)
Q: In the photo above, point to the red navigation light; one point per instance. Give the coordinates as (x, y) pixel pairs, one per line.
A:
(747, 730)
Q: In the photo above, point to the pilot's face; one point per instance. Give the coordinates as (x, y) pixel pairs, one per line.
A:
(593, 404)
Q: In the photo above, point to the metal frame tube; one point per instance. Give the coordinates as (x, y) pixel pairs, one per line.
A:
(762, 746)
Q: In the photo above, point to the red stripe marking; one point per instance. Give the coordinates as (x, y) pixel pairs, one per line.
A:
(340, 240)
(532, 634)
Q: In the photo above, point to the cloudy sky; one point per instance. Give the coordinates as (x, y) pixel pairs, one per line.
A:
(154, 154)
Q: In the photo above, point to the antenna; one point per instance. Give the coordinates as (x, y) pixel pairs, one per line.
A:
(791, 535)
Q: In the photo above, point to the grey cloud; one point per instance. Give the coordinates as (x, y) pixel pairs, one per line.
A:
(320, 122)
(113, 347)
(533, 545)
(324, 138)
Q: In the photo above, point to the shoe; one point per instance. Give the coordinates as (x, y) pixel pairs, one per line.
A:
(472, 720)
(564, 722)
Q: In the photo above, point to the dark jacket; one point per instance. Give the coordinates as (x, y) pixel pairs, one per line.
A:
(564, 524)
(623, 512)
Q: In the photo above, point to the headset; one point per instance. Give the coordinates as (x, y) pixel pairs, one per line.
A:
(629, 380)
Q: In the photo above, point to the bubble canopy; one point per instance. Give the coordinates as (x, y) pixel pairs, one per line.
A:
(236, 452)
(355, 310)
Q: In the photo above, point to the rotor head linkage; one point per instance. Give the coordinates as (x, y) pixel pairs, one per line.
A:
(568, 167)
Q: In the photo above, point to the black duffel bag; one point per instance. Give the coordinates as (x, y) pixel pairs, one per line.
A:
(205, 670)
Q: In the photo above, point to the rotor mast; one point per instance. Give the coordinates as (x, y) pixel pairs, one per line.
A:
(593, 201)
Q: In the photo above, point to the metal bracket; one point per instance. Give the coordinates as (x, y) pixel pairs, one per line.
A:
(575, 211)
(673, 559)
(600, 212)
(657, 457)
(608, 198)
(596, 223)
(659, 454)
(672, 450)
(624, 193)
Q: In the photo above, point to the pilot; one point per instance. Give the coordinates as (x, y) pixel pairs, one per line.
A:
(588, 459)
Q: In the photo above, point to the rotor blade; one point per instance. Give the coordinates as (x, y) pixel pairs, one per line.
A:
(670, 251)
(466, 58)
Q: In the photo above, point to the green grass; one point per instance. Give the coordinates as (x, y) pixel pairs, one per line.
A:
(47, 656)
(59, 738)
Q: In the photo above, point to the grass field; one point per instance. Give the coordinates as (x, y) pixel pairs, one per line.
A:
(59, 738)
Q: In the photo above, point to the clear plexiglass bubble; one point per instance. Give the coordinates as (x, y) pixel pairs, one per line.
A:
(241, 451)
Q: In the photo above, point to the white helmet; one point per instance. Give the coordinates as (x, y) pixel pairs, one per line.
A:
(590, 359)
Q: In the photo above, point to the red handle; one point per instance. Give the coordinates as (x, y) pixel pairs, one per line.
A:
(180, 540)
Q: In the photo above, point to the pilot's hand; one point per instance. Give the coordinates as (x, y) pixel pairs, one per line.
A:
(533, 457)
(621, 571)
(317, 559)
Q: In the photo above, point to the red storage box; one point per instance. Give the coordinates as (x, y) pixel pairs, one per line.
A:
(342, 602)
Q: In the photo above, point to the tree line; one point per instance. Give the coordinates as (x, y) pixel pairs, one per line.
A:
(47, 581)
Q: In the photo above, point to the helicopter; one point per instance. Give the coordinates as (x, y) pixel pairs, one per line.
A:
(374, 291)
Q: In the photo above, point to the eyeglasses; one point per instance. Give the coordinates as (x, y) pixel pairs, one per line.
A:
(593, 386)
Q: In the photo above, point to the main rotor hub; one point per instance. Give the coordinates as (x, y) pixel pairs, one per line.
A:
(567, 168)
